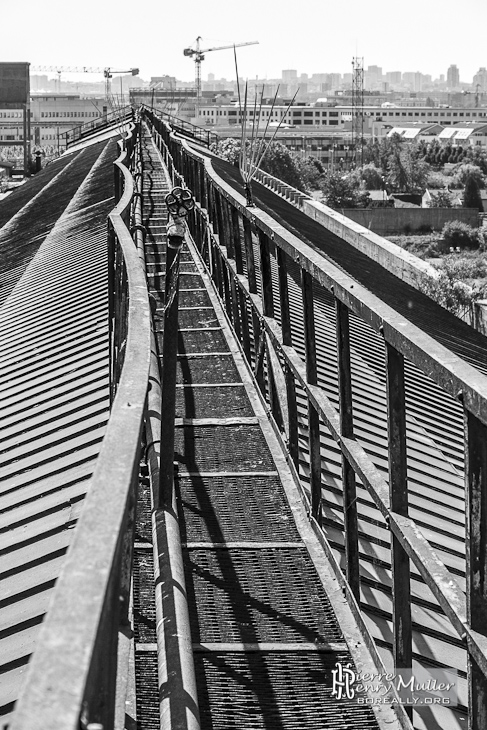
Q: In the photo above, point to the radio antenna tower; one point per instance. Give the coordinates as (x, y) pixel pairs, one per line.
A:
(358, 110)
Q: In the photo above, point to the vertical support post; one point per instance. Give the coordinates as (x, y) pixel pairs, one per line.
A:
(169, 361)
(476, 508)
(346, 426)
(266, 274)
(312, 379)
(287, 340)
(259, 343)
(212, 212)
(245, 325)
(398, 490)
(284, 297)
(249, 256)
(219, 217)
(237, 243)
(217, 268)
(225, 274)
(203, 191)
(227, 225)
(235, 307)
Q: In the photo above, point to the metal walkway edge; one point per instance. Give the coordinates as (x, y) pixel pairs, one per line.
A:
(264, 633)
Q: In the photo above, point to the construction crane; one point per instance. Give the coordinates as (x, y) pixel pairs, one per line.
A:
(68, 69)
(198, 54)
(107, 72)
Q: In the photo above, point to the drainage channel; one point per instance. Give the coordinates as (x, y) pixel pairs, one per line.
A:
(264, 634)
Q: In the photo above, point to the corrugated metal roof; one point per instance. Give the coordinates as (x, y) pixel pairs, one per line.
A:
(54, 390)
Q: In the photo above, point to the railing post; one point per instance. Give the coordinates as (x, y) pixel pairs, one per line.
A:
(202, 186)
(398, 490)
(227, 227)
(237, 243)
(346, 425)
(249, 256)
(287, 341)
(476, 534)
(283, 297)
(312, 379)
(245, 325)
(266, 275)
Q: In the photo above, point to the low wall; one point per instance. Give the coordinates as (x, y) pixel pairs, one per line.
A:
(394, 221)
(393, 258)
(480, 316)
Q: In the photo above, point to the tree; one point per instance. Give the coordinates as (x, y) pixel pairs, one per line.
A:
(471, 194)
(456, 234)
(440, 199)
(277, 160)
(477, 156)
(311, 171)
(406, 174)
(372, 177)
(228, 149)
(343, 191)
(402, 163)
(466, 170)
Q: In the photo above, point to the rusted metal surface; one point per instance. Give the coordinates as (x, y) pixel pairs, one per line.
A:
(434, 434)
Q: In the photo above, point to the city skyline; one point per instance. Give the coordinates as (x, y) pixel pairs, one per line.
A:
(315, 40)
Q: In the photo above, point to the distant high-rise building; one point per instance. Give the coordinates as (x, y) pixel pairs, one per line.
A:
(453, 77)
(414, 79)
(394, 77)
(290, 76)
(480, 78)
(373, 77)
(335, 80)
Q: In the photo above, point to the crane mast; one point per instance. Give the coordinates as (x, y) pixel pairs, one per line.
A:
(199, 56)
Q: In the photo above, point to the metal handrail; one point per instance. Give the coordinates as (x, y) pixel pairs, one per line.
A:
(237, 276)
(82, 130)
(71, 681)
(204, 136)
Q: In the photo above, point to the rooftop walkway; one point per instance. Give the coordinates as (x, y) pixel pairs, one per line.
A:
(264, 633)
(239, 611)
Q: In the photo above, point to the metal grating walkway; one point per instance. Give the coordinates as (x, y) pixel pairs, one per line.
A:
(264, 633)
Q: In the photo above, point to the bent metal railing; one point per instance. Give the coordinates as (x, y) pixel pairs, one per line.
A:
(250, 258)
(71, 681)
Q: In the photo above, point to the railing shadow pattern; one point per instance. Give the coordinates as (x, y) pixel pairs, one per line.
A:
(250, 258)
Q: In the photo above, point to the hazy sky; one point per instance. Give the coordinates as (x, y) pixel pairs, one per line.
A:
(311, 36)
